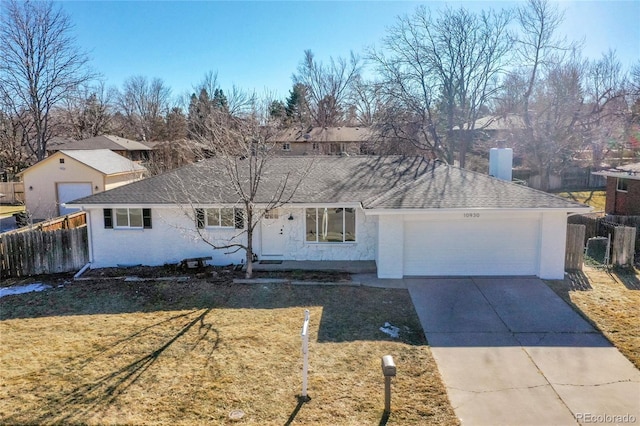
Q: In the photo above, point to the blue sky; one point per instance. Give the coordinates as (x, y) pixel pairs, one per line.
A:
(258, 45)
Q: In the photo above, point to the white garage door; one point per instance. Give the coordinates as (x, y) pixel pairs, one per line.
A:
(69, 192)
(472, 247)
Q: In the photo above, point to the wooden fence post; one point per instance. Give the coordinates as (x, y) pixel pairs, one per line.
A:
(574, 255)
(624, 241)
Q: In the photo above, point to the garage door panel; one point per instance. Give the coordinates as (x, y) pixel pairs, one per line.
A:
(71, 191)
(489, 247)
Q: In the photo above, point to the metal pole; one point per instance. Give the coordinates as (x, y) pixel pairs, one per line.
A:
(387, 394)
(305, 353)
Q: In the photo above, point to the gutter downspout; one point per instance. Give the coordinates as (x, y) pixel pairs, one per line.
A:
(89, 233)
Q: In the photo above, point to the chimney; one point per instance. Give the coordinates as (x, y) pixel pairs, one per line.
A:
(501, 163)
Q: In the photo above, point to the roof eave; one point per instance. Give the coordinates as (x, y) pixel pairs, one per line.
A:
(619, 175)
(404, 211)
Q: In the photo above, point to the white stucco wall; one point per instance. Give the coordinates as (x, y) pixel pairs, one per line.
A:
(553, 234)
(173, 237)
(379, 237)
(390, 254)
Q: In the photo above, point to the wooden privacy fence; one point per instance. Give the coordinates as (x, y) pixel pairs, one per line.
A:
(603, 226)
(60, 245)
(11, 192)
(574, 255)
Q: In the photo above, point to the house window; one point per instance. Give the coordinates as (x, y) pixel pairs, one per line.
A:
(62, 161)
(330, 225)
(220, 217)
(315, 146)
(622, 185)
(286, 147)
(128, 218)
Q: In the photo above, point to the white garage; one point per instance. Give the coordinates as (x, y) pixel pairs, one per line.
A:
(477, 245)
(69, 192)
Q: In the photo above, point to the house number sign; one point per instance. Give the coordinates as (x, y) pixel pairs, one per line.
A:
(471, 215)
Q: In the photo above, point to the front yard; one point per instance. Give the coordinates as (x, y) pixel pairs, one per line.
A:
(611, 301)
(193, 352)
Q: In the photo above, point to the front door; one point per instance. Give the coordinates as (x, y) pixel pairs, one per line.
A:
(272, 234)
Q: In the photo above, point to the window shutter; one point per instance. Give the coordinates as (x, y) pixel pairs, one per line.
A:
(108, 218)
(200, 218)
(238, 215)
(146, 218)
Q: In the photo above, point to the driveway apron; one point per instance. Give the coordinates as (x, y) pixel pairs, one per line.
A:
(511, 352)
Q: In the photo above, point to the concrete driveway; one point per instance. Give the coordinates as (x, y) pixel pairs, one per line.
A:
(511, 352)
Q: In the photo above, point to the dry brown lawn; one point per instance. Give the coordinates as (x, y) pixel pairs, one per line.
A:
(595, 199)
(115, 352)
(611, 301)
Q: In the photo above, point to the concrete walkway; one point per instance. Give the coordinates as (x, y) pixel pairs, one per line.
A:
(511, 352)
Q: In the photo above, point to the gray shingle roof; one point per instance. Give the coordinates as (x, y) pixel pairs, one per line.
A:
(111, 142)
(104, 160)
(391, 182)
(628, 171)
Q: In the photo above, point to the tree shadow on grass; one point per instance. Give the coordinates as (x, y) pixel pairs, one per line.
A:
(78, 404)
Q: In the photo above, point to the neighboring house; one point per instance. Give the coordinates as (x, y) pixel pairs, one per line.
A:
(506, 129)
(322, 140)
(623, 190)
(413, 217)
(67, 175)
(133, 150)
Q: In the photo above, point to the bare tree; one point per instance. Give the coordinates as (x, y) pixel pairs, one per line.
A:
(13, 134)
(440, 74)
(327, 87)
(87, 111)
(553, 134)
(538, 44)
(144, 103)
(548, 62)
(365, 99)
(40, 65)
(605, 116)
(241, 152)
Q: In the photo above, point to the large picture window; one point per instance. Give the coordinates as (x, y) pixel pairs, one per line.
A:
(330, 225)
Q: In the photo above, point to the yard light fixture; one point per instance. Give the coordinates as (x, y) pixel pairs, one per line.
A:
(290, 216)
